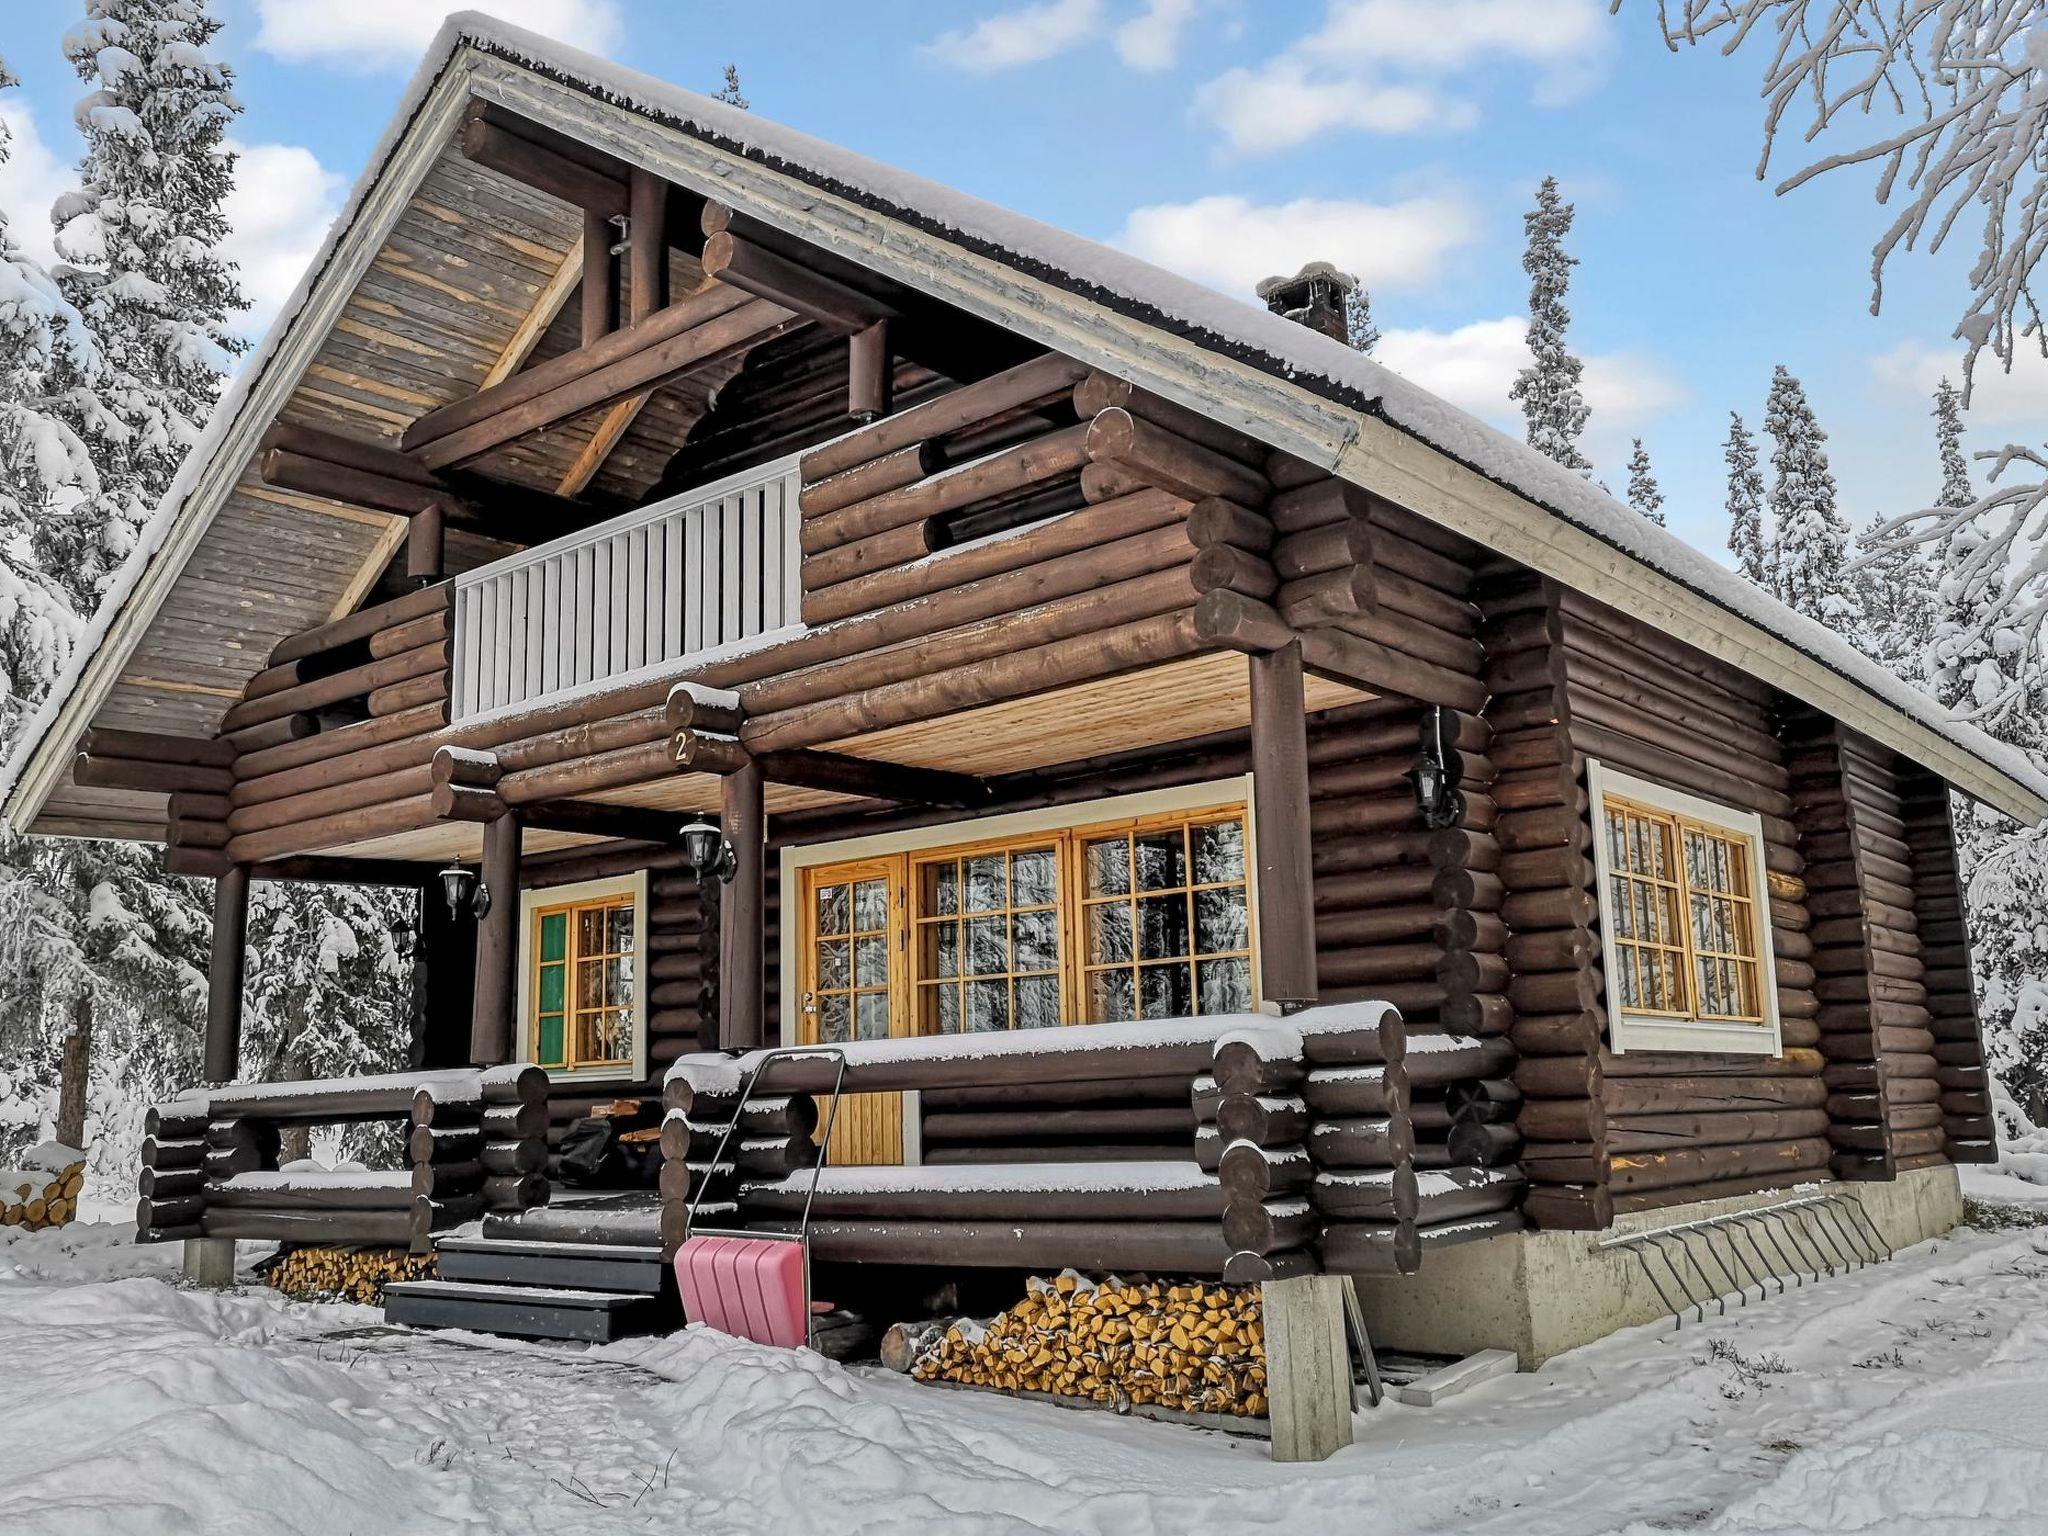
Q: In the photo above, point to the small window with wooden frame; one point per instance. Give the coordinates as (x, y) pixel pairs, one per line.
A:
(1684, 918)
(582, 1001)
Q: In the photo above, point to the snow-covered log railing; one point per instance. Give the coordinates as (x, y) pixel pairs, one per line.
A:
(1280, 1182)
(705, 569)
(476, 1140)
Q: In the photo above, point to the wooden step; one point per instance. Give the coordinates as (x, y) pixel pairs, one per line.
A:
(620, 1267)
(533, 1312)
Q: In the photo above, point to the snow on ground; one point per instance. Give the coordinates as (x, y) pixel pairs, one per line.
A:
(1909, 1397)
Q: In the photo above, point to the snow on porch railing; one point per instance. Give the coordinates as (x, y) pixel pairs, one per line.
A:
(712, 566)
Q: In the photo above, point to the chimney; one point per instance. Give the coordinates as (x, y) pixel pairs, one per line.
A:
(1314, 296)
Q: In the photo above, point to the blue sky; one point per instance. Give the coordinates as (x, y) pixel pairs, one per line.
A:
(1398, 138)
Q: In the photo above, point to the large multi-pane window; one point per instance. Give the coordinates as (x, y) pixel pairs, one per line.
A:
(1164, 920)
(1145, 918)
(581, 990)
(1685, 922)
(988, 939)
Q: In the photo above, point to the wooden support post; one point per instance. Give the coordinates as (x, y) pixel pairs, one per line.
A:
(497, 947)
(224, 974)
(425, 541)
(740, 941)
(870, 373)
(1286, 895)
(647, 254)
(210, 1261)
(1308, 1367)
(600, 283)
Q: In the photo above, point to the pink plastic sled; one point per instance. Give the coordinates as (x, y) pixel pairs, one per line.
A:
(751, 1287)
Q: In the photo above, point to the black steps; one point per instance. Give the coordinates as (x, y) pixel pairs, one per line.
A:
(540, 1288)
(577, 1266)
(534, 1312)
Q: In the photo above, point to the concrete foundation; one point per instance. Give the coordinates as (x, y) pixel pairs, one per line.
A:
(1541, 1293)
(210, 1261)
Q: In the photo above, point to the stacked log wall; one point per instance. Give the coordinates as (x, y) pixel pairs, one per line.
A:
(1558, 1019)
(1969, 1133)
(1650, 706)
(1826, 810)
(1893, 992)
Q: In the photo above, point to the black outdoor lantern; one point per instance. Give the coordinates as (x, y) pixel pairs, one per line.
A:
(1436, 789)
(710, 855)
(461, 889)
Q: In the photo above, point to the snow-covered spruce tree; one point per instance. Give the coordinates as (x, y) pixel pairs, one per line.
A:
(1980, 665)
(1549, 387)
(1643, 492)
(43, 467)
(329, 987)
(1893, 589)
(1748, 540)
(1359, 329)
(1956, 490)
(1810, 546)
(142, 237)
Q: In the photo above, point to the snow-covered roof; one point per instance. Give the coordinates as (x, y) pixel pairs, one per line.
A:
(1126, 286)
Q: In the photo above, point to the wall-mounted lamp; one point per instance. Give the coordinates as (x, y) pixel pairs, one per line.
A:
(461, 889)
(710, 855)
(1436, 786)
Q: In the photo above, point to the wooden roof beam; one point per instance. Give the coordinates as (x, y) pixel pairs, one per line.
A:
(695, 333)
(842, 774)
(315, 462)
(585, 179)
(793, 285)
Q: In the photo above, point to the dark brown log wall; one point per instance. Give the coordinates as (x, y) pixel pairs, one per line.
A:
(1924, 806)
(1650, 706)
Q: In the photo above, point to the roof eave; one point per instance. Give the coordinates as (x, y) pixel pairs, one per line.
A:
(438, 94)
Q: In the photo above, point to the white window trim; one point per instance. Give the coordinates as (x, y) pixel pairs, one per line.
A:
(1055, 818)
(1627, 1032)
(531, 901)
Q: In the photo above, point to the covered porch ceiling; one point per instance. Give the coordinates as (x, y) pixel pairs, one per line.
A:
(1010, 744)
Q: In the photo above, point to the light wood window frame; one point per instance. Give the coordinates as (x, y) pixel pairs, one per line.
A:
(534, 904)
(1683, 1025)
(851, 873)
(1085, 967)
(1064, 828)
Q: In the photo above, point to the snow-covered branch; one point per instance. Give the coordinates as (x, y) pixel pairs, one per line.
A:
(1952, 101)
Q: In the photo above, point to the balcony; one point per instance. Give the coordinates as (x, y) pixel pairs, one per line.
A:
(706, 569)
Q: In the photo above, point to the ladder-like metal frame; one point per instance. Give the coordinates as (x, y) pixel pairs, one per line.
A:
(802, 1235)
(1810, 1235)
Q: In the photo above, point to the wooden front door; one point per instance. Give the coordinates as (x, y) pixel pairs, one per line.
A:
(853, 986)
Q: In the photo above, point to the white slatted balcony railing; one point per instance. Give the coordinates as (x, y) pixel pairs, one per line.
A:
(698, 571)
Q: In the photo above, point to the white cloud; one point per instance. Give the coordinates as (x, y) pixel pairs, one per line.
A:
(1230, 242)
(1396, 66)
(31, 177)
(279, 211)
(1151, 39)
(1028, 35)
(378, 34)
(1473, 366)
(1442, 35)
(1906, 376)
(1283, 103)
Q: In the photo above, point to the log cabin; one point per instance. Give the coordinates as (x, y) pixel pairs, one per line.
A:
(1231, 813)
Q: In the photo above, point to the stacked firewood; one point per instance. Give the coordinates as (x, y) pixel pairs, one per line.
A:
(345, 1274)
(43, 1190)
(1194, 1348)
